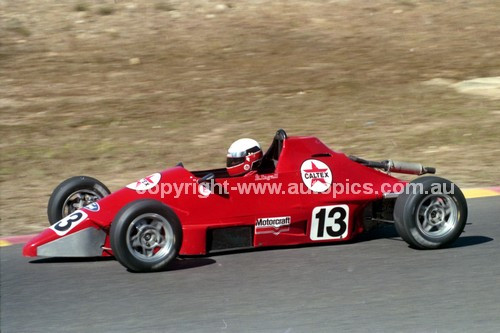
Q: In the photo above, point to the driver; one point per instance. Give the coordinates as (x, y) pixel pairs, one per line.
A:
(242, 156)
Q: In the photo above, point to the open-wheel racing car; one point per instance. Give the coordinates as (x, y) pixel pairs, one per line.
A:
(300, 192)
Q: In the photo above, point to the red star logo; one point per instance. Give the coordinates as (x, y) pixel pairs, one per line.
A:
(315, 169)
(148, 179)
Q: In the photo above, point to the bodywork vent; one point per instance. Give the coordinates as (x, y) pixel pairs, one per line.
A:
(232, 238)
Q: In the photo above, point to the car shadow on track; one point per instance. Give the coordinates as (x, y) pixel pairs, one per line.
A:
(186, 263)
(183, 263)
(464, 241)
(177, 264)
(69, 259)
(389, 232)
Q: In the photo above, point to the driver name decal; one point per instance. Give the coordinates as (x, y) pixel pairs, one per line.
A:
(69, 222)
(145, 183)
(316, 175)
(272, 225)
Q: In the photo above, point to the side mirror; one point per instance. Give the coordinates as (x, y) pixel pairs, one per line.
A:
(207, 178)
(207, 181)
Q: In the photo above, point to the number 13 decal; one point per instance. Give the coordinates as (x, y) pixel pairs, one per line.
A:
(329, 222)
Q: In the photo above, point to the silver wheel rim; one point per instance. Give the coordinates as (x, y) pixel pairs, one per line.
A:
(78, 200)
(150, 237)
(437, 215)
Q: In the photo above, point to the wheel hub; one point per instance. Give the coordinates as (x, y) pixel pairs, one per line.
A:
(437, 214)
(149, 237)
(78, 200)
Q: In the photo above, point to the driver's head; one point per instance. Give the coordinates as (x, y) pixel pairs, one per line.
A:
(243, 156)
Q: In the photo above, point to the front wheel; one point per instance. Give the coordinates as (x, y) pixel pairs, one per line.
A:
(431, 213)
(73, 194)
(145, 236)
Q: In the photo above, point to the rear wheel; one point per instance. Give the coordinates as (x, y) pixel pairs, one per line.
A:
(432, 217)
(73, 194)
(145, 236)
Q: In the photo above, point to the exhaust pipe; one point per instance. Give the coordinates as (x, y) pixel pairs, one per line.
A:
(408, 168)
(395, 166)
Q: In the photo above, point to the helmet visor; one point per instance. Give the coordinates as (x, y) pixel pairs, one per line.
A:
(232, 161)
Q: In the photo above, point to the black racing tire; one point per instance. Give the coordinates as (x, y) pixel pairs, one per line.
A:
(75, 191)
(432, 216)
(146, 236)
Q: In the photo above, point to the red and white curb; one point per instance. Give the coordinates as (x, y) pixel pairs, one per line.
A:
(470, 193)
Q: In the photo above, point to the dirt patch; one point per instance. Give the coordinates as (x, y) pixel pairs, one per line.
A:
(120, 89)
(488, 87)
(484, 86)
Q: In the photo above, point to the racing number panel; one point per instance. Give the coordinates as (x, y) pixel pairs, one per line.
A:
(329, 223)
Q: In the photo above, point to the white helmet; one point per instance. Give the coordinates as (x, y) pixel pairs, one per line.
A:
(242, 156)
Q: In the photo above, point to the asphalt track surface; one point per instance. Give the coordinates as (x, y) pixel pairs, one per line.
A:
(378, 284)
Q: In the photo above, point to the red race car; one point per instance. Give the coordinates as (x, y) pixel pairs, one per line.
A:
(298, 192)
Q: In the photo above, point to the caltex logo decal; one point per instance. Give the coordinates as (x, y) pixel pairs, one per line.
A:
(145, 183)
(316, 175)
